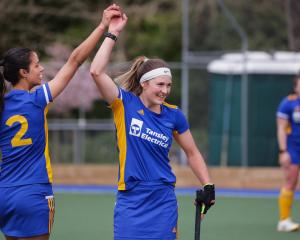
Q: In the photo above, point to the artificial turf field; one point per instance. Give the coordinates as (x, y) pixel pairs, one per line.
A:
(89, 216)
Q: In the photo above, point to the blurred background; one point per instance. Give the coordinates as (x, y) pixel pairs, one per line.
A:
(232, 63)
(208, 44)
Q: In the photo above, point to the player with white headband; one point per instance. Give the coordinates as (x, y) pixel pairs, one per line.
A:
(146, 205)
(163, 71)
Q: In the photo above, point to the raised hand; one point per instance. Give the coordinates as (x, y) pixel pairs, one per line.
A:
(117, 24)
(113, 11)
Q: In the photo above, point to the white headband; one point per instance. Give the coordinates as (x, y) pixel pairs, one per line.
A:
(155, 73)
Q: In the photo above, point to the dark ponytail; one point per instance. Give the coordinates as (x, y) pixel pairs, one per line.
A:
(2, 87)
(13, 60)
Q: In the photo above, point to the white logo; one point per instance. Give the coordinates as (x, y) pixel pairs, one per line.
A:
(136, 127)
(296, 117)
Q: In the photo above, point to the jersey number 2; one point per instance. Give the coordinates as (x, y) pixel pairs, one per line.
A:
(17, 140)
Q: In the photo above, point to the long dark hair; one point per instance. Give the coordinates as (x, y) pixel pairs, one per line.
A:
(130, 80)
(12, 61)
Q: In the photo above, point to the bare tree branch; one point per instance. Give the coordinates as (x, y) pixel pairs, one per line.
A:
(292, 9)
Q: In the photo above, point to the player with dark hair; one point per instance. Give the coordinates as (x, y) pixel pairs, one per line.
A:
(26, 197)
(288, 134)
(146, 205)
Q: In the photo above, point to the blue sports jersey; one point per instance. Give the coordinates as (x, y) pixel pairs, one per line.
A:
(289, 109)
(144, 139)
(24, 138)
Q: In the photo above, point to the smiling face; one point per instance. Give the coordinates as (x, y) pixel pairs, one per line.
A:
(35, 73)
(32, 75)
(156, 90)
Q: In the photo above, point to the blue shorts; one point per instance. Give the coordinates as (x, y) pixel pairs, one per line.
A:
(295, 156)
(294, 151)
(27, 210)
(148, 211)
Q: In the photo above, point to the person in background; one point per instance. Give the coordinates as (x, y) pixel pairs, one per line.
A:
(26, 196)
(288, 134)
(146, 205)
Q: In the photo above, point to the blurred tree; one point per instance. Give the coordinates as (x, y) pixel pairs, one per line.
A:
(80, 93)
(292, 9)
(262, 20)
(36, 23)
(154, 29)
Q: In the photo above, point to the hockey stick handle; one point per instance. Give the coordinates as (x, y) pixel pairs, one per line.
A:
(198, 214)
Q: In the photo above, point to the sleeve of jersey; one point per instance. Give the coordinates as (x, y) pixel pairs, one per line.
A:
(283, 109)
(43, 95)
(181, 123)
(122, 97)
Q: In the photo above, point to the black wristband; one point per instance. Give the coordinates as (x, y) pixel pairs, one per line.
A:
(111, 36)
(282, 151)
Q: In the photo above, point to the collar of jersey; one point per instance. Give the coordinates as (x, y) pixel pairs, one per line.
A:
(149, 111)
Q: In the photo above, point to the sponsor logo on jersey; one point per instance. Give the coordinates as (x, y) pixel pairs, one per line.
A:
(136, 127)
(296, 114)
(148, 134)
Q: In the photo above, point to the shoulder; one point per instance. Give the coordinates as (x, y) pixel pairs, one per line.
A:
(19, 95)
(125, 94)
(170, 106)
(124, 98)
(288, 100)
(292, 97)
(286, 105)
(177, 116)
(174, 112)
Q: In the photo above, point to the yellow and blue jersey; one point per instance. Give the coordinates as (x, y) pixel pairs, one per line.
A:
(289, 109)
(24, 138)
(144, 139)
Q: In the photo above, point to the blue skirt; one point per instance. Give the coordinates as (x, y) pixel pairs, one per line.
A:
(148, 211)
(27, 210)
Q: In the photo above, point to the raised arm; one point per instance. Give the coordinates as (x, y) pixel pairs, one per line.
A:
(80, 54)
(105, 84)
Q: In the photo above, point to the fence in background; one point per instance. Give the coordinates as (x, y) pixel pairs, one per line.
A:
(94, 141)
(81, 141)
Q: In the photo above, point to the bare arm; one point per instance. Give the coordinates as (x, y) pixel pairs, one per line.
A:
(197, 164)
(105, 84)
(195, 159)
(281, 133)
(284, 157)
(80, 54)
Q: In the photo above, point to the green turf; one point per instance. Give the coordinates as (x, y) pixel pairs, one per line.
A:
(90, 216)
